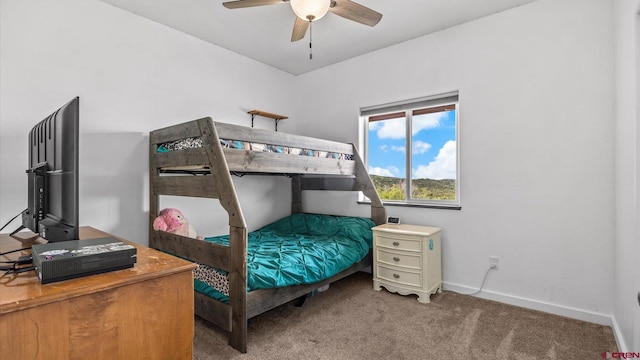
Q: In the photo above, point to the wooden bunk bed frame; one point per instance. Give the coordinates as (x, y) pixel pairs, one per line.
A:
(214, 181)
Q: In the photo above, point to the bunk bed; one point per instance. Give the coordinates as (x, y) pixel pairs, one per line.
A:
(198, 158)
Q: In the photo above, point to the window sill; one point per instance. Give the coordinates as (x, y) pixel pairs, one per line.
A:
(415, 205)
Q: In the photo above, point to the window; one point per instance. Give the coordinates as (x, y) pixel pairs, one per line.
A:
(417, 140)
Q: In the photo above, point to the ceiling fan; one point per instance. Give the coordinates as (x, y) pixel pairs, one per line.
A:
(308, 11)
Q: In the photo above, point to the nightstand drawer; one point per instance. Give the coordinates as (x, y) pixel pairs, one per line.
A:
(409, 261)
(399, 276)
(392, 242)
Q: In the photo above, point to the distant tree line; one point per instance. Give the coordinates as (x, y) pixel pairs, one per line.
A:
(393, 188)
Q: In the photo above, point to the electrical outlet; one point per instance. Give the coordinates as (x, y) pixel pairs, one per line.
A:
(494, 262)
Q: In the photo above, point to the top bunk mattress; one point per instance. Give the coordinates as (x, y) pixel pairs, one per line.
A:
(299, 249)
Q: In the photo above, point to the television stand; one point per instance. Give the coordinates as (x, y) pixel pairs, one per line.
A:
(143, 312)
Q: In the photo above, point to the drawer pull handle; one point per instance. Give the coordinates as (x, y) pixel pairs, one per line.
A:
(396, 276)
(396, 259)
(395, 243)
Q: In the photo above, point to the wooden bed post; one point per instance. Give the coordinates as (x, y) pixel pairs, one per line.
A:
(238, 289)
(296, 194)
(154, 198)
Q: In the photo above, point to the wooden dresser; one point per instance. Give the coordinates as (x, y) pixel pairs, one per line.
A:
(407, 260)
(144, 312)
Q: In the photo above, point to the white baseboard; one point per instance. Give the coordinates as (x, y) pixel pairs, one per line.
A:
(622, 346)
(579, 314)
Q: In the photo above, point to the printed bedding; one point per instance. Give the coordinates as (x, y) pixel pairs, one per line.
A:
(196, 142)
(298, 249)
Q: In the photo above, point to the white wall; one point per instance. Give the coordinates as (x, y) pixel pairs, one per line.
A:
(536, 110)
(627, 226)
(132, 76)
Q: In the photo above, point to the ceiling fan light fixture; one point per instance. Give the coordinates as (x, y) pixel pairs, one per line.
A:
(310, 10)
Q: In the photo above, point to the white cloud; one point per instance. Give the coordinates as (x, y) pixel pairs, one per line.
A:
(389, 129)
(387, 148)
(389, 171)
(374, 125)
(427, 121)
(420, 147)
(395, 128)
(442, 167)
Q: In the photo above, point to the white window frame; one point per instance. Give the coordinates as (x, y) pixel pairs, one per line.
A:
(451, 98)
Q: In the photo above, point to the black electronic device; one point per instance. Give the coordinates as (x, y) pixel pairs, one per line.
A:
(393, 220)
(52, 176)
(75, 258)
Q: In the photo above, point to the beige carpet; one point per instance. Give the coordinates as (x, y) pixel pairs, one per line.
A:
(352, 321)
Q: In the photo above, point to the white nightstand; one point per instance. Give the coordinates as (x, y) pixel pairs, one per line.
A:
(406, 260)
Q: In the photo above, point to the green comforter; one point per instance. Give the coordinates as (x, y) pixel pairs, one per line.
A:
(302, 249)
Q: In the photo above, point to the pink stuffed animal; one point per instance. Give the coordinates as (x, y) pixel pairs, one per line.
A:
(173, 221)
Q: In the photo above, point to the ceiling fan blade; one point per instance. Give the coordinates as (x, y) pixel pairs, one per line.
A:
(356, 12)
(250, 3)
(299, 29)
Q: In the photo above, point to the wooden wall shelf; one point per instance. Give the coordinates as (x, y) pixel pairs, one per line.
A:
(269, 115)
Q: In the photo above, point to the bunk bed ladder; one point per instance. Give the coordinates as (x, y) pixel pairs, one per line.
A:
(237, 234)
(216, 184)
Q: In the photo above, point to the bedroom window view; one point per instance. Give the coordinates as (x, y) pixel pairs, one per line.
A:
(416, 143)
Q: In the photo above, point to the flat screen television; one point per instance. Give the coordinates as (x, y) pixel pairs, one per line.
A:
(52, 175)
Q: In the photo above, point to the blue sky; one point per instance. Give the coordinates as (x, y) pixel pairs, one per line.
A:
(433, 142)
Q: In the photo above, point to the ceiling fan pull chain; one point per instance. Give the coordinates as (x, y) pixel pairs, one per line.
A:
(310, 37)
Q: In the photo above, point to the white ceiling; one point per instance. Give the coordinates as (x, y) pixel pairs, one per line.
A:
(263, 33)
